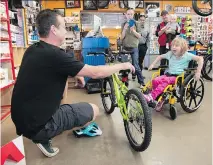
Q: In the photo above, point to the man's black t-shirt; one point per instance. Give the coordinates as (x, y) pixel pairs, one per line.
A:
(40, 85)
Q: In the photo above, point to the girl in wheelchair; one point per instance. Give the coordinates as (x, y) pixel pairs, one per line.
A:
(179, 60)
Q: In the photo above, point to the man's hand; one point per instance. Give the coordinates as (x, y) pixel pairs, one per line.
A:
(197, 76)
(80, 82)
(129, 66)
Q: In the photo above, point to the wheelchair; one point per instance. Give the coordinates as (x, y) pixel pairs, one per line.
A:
(186, 90)
(207, 56)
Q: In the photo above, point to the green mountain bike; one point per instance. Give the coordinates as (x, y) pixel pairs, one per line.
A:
(133, 108)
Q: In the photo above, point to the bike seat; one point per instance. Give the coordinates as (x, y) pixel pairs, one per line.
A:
(163, 66)
(127, 71)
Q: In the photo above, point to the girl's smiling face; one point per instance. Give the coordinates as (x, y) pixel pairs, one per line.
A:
(179, 46)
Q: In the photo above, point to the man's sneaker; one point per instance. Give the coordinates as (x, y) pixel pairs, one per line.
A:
(47, 149)
(142, 85)
(133, 77)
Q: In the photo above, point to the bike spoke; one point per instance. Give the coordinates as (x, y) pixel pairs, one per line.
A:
(197, 94)
(195, 102)
(190, 102)
(135, 109)
(199, 87)
(195, 85)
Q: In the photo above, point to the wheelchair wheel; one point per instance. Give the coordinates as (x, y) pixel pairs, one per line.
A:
(138, 126)
(207, 68)
(191, 95)
(108, 95)
(173, 112)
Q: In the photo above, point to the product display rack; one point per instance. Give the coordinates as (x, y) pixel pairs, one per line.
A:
(6, 59)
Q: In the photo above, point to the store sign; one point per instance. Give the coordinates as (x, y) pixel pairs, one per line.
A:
(182, 9)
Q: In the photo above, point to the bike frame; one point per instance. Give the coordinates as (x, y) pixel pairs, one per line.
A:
(120, 92)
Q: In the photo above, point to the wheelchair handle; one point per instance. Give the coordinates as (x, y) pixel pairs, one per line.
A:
(163, 66)
(190, 69)
(199, 42)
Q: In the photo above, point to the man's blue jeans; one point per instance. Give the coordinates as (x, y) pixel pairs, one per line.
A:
(135, 63)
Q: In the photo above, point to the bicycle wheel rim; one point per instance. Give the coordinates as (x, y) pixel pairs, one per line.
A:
(132, 125)
(199, 11)
(145, 121)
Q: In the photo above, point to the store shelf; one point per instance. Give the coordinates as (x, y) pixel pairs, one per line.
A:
(14, 46)
(11, 83)
(5, 59)
(4, 39)
(5, 112)
(8, 58)
(3, 29)
(33, 41)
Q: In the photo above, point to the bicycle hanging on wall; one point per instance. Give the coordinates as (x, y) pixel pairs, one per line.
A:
(202, 7)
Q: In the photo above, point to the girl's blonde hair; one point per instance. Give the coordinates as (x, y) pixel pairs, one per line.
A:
(178, 41)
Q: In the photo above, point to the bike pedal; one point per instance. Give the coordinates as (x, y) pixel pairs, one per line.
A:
(152, 104)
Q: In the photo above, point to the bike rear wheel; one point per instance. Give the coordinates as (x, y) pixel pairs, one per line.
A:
(108, 95)
(202, 11)
(140, 116)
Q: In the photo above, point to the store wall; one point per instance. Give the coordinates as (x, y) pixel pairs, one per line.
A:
(111, 33)
(112, 7)
(176, 3)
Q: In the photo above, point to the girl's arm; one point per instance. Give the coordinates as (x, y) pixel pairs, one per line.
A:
(199, 60)
(159, 58)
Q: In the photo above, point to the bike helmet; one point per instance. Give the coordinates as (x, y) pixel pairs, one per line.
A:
(91, 130)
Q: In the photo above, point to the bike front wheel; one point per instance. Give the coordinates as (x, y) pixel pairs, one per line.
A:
(139, 118)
